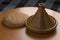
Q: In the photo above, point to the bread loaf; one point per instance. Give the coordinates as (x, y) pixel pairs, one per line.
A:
(15, 19)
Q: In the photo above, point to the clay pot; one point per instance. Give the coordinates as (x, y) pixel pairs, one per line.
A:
(41, 22)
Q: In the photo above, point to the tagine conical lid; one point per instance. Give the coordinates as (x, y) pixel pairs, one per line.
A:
(41, 22)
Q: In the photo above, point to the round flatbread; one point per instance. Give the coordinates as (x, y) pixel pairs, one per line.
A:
(15, 19)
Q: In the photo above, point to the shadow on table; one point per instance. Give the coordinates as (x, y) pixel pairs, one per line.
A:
(40, 35)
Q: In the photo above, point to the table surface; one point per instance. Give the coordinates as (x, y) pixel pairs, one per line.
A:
(22, 33)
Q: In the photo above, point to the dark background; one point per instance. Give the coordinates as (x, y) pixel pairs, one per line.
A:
(10, 4)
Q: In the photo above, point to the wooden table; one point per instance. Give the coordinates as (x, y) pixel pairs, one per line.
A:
(21, 33)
